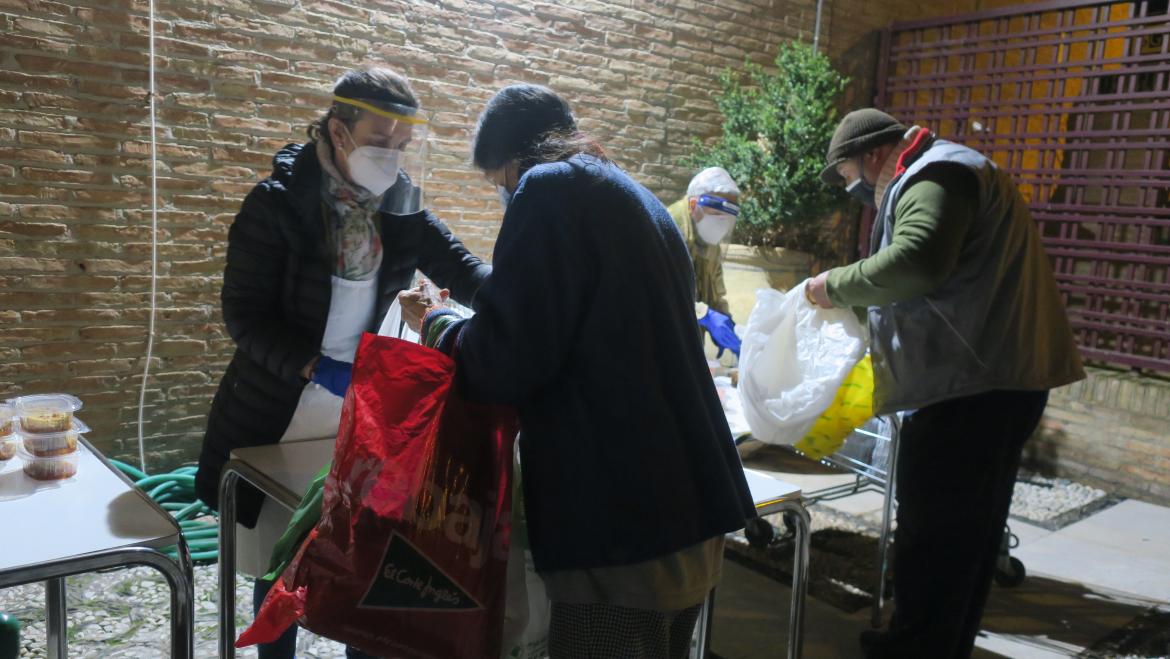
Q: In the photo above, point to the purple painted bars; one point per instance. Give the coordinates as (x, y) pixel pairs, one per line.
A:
(1071, 98)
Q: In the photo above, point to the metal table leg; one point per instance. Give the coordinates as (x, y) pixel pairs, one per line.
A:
(182, 585)
(179, 578)
(227, 563)
(702, 641)
(795, 510)
(55, 618)
(802, 527)
(229, 480)
(887, 524)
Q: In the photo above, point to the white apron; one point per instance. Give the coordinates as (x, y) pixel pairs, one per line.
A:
(317, 415)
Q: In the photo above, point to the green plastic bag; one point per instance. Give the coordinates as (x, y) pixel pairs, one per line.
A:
(306, 516)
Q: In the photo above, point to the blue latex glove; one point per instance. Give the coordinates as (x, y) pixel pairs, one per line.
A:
(333, 375)
(722, 331)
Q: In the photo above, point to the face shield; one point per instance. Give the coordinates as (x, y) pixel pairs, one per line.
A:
(716, 218)
(397, 164)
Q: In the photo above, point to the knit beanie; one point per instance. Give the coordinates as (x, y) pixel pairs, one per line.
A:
(860, 131)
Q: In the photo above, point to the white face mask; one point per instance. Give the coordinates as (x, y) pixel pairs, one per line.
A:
(374, 168)
(714, 227)
(505, 196)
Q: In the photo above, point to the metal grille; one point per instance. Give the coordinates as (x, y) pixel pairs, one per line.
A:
(1070, 98)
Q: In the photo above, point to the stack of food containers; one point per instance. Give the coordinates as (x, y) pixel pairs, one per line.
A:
(48, 434)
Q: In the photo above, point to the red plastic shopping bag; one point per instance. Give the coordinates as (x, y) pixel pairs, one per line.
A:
(409, 556)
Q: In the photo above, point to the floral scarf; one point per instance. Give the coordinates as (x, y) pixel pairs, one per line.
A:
(351, 222)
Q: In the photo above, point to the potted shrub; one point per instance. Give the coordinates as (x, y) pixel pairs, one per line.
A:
(776, 129)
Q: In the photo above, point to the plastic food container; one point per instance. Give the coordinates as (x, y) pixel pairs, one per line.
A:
(55, 468)
(47, 444)
(46, 413)
(8, 444)
(7, 414)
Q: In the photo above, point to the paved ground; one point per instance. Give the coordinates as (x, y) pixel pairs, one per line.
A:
(1099, 587)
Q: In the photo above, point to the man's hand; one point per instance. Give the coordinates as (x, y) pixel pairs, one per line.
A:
(416, 302)
(816, 293)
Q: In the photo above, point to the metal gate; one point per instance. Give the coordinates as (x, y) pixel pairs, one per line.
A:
(1071, 98)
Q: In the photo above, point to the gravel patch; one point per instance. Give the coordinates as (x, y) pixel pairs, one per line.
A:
(126, 614)
(1054, 503)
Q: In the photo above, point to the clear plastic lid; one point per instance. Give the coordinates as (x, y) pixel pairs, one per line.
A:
(54, 443)
(7, 413)
(46, 412)
(8, 445)
(49, 468)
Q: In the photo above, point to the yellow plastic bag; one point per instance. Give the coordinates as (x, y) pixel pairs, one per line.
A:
(851, 408)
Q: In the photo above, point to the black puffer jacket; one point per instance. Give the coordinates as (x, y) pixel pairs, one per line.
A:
(276, 295)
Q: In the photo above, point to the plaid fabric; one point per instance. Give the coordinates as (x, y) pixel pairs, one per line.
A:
(604, 631)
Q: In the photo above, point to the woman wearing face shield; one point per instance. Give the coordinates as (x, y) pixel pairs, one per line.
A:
(316, 255)
(586, 326)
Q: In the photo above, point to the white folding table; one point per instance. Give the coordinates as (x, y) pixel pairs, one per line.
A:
(284, 471)
(95, 520)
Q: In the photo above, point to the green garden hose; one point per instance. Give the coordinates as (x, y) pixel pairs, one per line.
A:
(175, 493)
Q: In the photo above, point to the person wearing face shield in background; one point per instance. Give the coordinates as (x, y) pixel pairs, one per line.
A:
(706, 217)
(316, 255)
(968, 334)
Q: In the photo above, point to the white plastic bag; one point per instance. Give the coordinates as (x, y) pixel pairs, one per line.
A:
(526, 605)
(793, 359)
(393, 326)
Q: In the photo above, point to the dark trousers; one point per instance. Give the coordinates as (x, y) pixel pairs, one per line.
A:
(957, 464)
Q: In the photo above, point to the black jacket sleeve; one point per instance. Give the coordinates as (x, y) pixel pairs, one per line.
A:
(448, 263)
(252, 283)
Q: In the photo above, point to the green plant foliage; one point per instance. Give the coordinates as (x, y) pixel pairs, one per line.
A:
(776, 130)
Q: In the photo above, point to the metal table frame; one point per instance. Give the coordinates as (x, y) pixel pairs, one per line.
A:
(233, 472)
(179, 578)
(236, 470)
(794, 510)
(870, 478)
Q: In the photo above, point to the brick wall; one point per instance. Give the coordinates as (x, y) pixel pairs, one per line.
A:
(1109, 430)
(237, 79)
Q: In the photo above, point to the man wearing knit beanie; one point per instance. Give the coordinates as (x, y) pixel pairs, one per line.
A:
(968, 334)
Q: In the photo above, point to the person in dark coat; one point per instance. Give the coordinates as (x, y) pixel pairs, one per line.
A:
(587, 327)
(317, 254)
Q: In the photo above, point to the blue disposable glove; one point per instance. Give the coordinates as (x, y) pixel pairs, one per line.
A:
(333, 375)
(722, 331)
